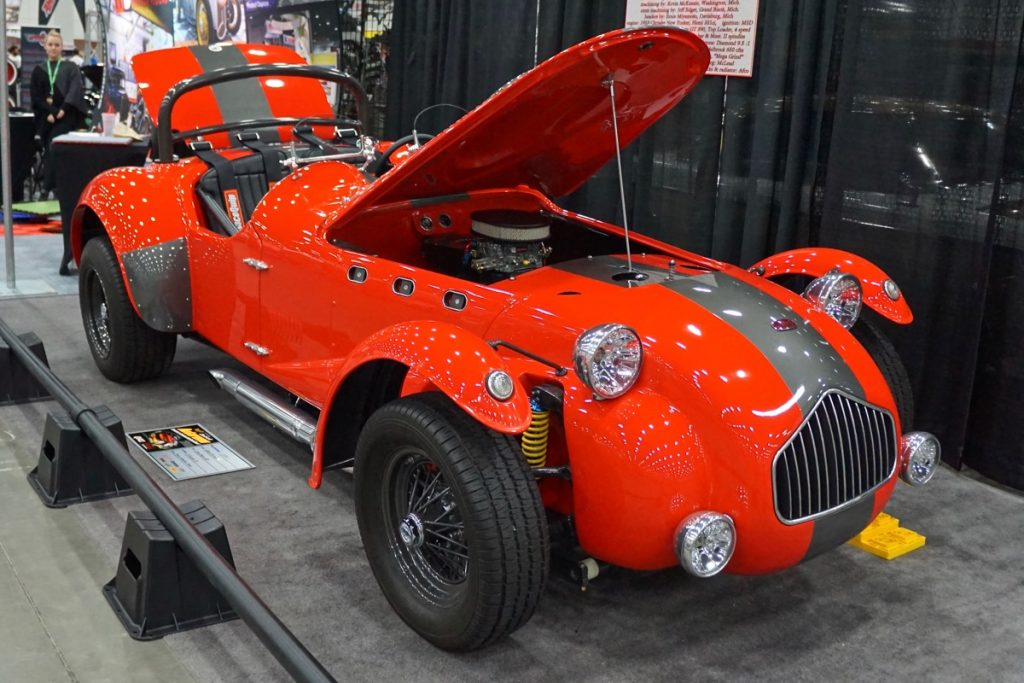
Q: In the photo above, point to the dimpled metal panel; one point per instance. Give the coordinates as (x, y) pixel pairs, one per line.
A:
(160, 284)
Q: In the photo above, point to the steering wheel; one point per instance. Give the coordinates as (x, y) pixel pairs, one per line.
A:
(382, 164)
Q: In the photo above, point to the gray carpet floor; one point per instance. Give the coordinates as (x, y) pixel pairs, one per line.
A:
(953, 610)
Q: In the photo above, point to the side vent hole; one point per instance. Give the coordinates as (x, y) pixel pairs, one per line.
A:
(132, 564)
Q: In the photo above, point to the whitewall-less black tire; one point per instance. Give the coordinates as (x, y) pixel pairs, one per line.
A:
(451, 520)
(124, 347)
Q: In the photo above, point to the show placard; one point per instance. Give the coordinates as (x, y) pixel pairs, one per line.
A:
(727, 26)
(188, 452)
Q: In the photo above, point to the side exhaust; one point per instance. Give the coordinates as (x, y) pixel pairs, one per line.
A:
(288, 419)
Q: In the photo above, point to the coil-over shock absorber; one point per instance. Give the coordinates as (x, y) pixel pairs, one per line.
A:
(535, 438)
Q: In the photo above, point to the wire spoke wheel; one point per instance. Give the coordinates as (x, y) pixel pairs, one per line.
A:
(98, 321)
(451, 520)
(425, 528)
(124, 347)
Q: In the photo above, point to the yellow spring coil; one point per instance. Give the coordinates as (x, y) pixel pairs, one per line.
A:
(535, 438)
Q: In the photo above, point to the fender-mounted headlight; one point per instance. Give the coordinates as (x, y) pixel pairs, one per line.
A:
(920, 452)
(608, 359)
(838, 294)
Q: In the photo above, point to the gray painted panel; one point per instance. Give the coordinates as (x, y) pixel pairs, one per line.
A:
(237, 100)
(839, 527)
(161, 285)
(802, 356)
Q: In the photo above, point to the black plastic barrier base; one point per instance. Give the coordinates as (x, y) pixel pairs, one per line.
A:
(157, 589)
(71, 469)
(17, 384)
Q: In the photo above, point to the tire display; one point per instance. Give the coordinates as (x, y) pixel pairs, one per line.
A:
(452, 522)
(124, 347)
(204, 23)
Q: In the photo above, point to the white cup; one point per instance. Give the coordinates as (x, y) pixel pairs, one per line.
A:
(109, 120)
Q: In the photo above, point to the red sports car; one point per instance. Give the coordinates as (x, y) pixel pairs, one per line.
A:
(502, 374)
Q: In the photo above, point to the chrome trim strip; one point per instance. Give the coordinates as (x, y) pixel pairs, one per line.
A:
(848, 449)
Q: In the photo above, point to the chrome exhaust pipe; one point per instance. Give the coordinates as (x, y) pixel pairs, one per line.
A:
(288, 419)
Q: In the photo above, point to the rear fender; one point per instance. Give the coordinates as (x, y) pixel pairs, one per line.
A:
(144, 225)
(816, 261)
(437, 355)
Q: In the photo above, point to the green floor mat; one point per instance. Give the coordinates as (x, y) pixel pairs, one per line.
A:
(46, 208)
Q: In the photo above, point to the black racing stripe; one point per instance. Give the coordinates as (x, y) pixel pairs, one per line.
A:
(837, 528)
(802, 357)
(237, 100)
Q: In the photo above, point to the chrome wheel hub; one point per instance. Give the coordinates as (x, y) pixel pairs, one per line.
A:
(411, 531)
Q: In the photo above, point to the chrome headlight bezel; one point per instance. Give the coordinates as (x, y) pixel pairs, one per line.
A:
(920, 455)
(705, 542)
(595, 357)
(839, 295)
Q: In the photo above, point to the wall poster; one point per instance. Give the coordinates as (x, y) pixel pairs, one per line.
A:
(727, 26)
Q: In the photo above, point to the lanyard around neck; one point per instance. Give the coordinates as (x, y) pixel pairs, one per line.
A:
(52, 75)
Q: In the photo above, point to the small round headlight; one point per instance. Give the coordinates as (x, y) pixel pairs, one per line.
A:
(705, 542)
(608, 359)
(837, 294)
(921, 453)
(500, 385)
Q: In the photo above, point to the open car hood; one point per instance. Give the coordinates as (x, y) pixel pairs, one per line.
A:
(551, 128)
(258, 98)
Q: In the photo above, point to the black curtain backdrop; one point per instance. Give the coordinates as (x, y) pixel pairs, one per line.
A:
(892, 129)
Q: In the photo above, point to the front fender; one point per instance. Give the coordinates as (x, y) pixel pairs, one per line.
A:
(639, 467)
(450, 358)
(816, 261)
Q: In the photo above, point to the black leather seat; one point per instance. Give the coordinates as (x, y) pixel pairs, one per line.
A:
(251, 179)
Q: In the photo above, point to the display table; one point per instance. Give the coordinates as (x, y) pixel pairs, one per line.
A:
(23, 131)
(77, 159)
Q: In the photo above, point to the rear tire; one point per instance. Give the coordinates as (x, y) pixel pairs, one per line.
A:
(891, 365)
(124, 347)
(452, 522)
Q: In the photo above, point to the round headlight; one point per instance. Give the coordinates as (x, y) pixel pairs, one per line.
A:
(837, 294)
(500, 385)
(921, 453)
(608, 359)
(705, 542)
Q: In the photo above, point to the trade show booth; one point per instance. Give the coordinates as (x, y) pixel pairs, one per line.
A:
(456, 340)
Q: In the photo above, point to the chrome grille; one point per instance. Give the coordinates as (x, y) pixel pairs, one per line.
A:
(844, 449)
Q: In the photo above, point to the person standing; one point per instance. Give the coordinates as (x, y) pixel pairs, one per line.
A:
(58, 100)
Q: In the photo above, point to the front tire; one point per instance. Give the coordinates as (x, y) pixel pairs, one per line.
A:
(889, 362)
(124, 347)
(452, 522)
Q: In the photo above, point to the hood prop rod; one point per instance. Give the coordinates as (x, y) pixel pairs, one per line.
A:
(610, 83)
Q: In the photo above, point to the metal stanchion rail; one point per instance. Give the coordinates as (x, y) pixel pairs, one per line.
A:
(281, 643)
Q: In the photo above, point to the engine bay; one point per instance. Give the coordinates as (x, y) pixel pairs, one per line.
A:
(501, 243)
